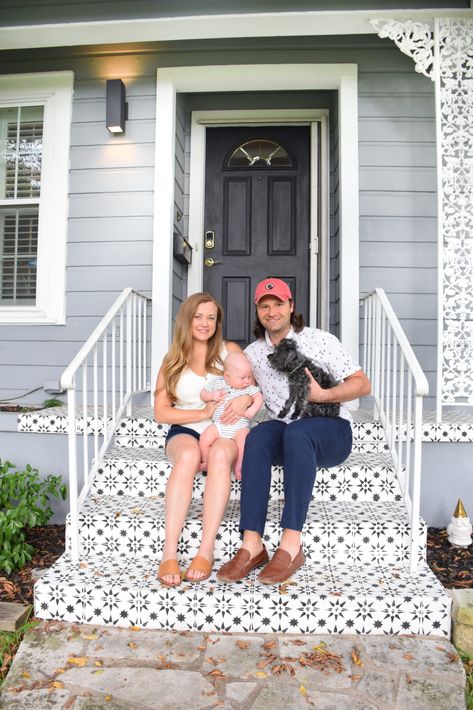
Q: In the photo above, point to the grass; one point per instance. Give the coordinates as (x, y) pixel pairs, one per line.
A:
(467, 659)
(9, 642)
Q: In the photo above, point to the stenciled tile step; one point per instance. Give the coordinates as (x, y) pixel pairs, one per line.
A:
(364, 476)
(334, 531)
(456, 425)
(319, 598)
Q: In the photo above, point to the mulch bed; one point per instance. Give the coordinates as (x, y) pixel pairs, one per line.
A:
(452, 565)
(49, 544)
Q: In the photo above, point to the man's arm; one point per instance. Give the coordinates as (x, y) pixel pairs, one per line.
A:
(352, 387)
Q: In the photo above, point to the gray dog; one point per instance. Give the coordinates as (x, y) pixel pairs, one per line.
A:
(287, 359)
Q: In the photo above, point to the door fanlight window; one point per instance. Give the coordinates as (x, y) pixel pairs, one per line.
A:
(260, 153)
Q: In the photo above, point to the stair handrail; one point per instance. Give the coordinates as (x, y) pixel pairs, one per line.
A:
(120, 340)
(398, 386)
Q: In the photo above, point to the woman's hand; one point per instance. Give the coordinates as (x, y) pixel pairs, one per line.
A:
(235, 409)
(208, 410)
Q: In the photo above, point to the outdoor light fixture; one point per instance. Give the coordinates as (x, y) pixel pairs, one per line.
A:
(117, 108)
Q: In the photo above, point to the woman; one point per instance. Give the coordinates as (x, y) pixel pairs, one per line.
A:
(196, 354)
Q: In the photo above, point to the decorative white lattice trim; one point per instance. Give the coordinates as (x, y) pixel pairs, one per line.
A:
(413, 38)
(454, 40)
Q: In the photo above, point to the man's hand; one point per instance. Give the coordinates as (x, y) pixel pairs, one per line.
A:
(316, 393)
(235, 409)
(352, 387)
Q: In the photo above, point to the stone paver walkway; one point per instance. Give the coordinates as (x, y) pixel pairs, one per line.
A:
(99, 668)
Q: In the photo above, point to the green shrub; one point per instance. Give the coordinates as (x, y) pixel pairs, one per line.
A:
(24, 503)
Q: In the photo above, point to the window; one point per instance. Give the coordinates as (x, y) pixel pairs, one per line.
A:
(260, 154)
(35, 118)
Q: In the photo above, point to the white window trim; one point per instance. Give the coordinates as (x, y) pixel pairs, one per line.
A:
(53, 90)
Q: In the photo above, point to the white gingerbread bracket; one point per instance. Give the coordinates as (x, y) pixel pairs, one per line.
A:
(444, 53)
(413, 38)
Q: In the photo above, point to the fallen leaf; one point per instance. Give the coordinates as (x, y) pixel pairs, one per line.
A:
(137, 511)
(261, 674)
(201, 648)
(108, 698)
(302, 690)
(98, 671)
(77, 660)
(132, 645)
(355, 677)
(25, 674)
(298, 642)
(57, 684)
(269, 645)
(217, 672)
(135, 628)
(408, 656)
(356, 658)
(58, 671)
(90, 637)
(83, 565)
(98, 663)
(242, 644)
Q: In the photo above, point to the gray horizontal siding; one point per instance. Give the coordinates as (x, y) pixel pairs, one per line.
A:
(112, 179)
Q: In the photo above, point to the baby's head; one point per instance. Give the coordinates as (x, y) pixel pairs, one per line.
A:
(237, 371)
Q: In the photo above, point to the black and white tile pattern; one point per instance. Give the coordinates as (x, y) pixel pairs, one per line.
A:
(355, 580)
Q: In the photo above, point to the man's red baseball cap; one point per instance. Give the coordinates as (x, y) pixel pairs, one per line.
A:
(273, 287)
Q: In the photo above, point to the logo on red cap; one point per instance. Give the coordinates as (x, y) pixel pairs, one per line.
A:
(276, 287)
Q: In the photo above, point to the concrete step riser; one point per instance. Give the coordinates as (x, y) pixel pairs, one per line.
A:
(319, 599)
(139, 532)
(343, 483)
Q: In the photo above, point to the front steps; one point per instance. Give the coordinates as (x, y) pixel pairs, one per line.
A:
(356, 538)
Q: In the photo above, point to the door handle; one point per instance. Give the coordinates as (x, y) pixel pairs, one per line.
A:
(211, 262)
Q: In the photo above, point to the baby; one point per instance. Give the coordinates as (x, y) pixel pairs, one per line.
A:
(237, 380)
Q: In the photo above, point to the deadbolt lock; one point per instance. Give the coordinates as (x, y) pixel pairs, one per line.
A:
(209, 240)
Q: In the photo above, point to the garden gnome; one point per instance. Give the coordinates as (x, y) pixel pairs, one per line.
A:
(459, 530)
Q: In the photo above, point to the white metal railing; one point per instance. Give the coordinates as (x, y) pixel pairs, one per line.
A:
(398, 387)
(111, 366)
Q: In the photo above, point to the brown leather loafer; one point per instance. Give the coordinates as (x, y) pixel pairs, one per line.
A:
(241, 565)
(281, 567)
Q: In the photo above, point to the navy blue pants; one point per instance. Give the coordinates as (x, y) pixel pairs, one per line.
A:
(301, 447)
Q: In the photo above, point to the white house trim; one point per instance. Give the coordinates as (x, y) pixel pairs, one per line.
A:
(292, 117)
(54, 91)
(259, 77)
(268, 24)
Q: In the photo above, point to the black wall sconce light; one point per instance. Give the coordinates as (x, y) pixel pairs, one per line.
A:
(117, 108)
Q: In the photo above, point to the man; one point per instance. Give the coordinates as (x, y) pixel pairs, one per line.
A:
(301, 446)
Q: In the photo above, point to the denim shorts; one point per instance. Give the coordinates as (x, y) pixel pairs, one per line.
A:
(175, 429)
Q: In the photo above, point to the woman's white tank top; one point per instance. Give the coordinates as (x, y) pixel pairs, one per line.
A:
(188, 391)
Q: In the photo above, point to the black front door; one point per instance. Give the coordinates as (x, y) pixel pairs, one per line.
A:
(257, 210)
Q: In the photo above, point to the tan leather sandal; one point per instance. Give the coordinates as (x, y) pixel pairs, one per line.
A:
(199, 564)
(169, 568)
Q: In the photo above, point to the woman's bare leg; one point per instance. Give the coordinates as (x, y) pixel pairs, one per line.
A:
(222, 456)
(184, 453)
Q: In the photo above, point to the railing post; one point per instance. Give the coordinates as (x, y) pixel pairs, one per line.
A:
(73, 487)
(416, 480)
(128, 355)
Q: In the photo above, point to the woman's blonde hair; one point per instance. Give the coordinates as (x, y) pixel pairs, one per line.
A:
(178, 355)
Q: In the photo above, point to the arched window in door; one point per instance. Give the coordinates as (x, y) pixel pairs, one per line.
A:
(259, 153)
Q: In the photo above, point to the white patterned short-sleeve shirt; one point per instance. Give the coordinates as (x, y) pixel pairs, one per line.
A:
(323, 348)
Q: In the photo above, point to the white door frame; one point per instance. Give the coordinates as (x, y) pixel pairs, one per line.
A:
(257, 77)
(291, 117)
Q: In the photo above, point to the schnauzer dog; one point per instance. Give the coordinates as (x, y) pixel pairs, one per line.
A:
(287, 359)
